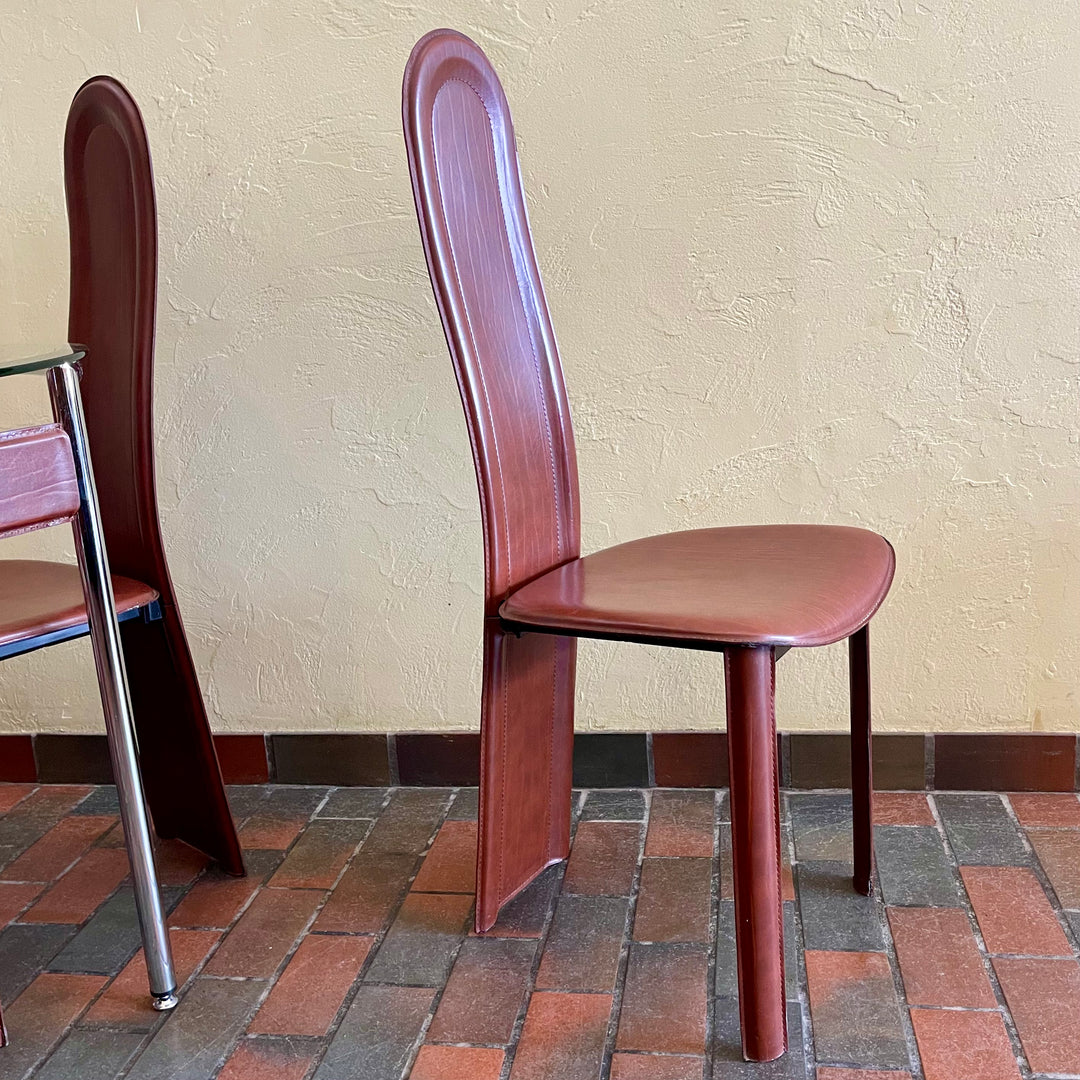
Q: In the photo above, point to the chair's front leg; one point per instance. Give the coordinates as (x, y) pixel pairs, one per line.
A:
(862, 781)
(755, 843)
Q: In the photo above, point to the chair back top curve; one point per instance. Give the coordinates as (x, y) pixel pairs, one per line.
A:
(479, 250)
(112, 222)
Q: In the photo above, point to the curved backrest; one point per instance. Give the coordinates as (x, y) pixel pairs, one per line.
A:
(112, 220)
(483, 270)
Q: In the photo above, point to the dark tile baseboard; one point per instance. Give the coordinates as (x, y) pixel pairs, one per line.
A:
(971, 762)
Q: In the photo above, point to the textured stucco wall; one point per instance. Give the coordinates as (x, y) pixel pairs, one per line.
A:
(808, 261)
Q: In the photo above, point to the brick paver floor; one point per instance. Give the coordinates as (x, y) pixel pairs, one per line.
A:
(346, 954)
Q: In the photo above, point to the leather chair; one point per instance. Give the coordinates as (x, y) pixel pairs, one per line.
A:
(750, 593)
(112, 221)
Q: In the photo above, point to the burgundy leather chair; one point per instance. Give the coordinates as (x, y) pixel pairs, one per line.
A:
(747, 592)
(112, 220)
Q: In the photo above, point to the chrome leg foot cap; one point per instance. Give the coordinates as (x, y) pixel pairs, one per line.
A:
(164, 1002)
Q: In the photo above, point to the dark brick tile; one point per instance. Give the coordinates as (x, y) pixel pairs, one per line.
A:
(484, 993)
(1059, 852)
(664, 1003)
(194, 1041)
(823, 760)
(13, 794)
(603, 859)
(450, 865)
(611, 761)
(939, 958)
(15, 896)
(37, 1020)
(294, 800)
(50, 856)
(466, 805)
(674, 900)
(525, 915)
(963, 808)
(583, 945)
(614, 805)
(902, 808)
(73, 759)
(969, 1044)
(17, 763)
(1047, 810)
(35, 815)
(442, 760)
(270, 1059)
(727, 1056)
(91, 1055)
(834, 915)
(367, 894)
(854, 1008)
(306, 997)
(330, 759)
(861, 1074)
(109, 938)
(1073, 918)
(408, 822)
(376, 1038)
(264, 934)
(980, 830)
(126, 1002)
(822, 827)
(1014, 913)
(1044, 999)
(681, 824)
(319, 856)
(913, 868)
(24, 952)
(563, 1037)
(355, 802)
(457, 1063)
(690, 759)
(419, 947)
(1022, 762)
(102, 801)
(242, 758)
(244, 799)
(656, 1067)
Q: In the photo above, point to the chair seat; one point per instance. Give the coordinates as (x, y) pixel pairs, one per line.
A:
(761, 584)
(39, 597)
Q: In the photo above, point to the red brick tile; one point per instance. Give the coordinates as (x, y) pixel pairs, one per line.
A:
(939, 958)
(664, 1005)
(674, 900)
(178, 863)
(1013, 911)
(1059, 853)
(367, 894)
(901, 808)
(14, 896)
(17, 758)
(681, 823)
(1041, 809)
(265, 933)
(214, 901)
(603, 859)
(41, 1014)
(310, 990)
(483, 995)
(450, 865)
(268, 1059)
(242, 758)
(1044, 999)
(690, 759)
(58, 848)
(87, 884)
(126, 1002)
(270, 832)
(457, 1063)
(10, 794)
(584, 943)
(563, 1037)
(972, 1045)
(319, 856)
(655, 1067)
(854, 1009)
(861, 1074)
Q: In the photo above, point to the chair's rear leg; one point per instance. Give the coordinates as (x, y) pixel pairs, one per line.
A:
(526, 763)
(755, 842)
(862, 782)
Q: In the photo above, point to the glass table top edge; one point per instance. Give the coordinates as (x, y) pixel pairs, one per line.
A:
(21, 359)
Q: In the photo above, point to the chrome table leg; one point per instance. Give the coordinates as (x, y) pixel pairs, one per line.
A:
(115, 697)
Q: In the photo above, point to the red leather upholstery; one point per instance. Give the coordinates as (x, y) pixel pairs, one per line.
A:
(37, 480)
(42, 597)
(755, 584)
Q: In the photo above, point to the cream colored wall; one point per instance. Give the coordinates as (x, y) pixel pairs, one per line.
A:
(808, 261)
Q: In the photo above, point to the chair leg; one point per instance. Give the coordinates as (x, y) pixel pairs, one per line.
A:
(526, 763)
(755, 843)
(180, 768)
(862, 781)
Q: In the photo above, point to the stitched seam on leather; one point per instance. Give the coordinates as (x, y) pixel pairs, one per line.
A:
(525, 313)
(775, 783)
